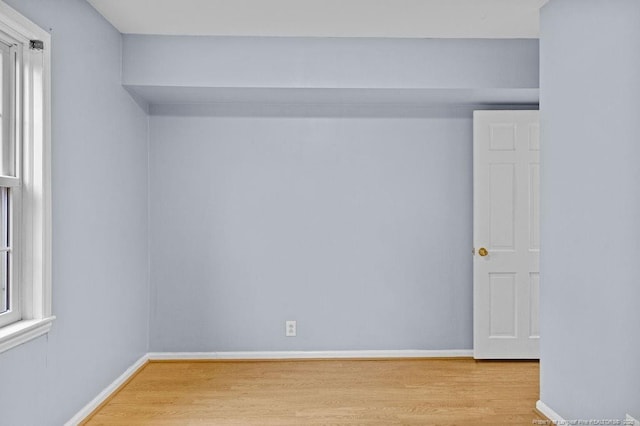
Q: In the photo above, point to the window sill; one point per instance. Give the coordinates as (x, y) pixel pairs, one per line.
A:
(22, 331)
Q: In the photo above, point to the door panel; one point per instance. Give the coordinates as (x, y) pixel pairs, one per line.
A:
(503, 305)
(502, 198)
(534, 303)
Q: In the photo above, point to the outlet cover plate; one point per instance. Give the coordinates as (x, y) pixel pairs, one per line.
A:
(291, 328)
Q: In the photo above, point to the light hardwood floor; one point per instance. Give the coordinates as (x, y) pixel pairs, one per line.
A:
(337, 392)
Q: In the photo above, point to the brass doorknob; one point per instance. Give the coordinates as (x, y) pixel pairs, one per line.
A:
(483, 252)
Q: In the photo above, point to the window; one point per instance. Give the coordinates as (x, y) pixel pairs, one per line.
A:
(10, 198)
(25, 214)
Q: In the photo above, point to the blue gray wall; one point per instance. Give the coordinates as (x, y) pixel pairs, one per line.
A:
(329, 62)
(358, 228)
(100, 278)
(329, 181)
(590, 217)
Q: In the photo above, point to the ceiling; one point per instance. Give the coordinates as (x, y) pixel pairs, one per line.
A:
(326, 18)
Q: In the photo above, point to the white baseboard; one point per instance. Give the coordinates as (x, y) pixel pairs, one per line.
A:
(547, 411)
(166, 356)
(106, 393)
(552, 415)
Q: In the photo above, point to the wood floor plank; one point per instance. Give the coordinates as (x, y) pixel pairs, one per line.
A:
(443, 392)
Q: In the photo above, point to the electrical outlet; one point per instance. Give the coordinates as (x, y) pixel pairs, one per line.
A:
(290, 328)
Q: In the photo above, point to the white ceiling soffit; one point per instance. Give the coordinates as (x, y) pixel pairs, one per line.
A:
(326, 18)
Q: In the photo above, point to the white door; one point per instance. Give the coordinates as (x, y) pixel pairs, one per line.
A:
(506, 234)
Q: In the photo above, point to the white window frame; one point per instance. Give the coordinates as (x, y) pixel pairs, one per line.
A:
(34, 268)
